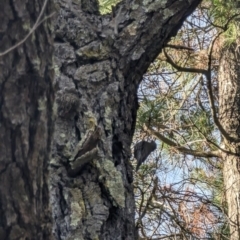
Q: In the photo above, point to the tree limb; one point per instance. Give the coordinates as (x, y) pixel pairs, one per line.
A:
(183, 69)
(182, 149)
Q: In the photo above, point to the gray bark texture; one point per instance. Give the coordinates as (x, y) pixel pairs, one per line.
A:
(26, 120)
(229, 115)
(99, 64)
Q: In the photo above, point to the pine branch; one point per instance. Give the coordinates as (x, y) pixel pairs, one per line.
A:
(180, 148)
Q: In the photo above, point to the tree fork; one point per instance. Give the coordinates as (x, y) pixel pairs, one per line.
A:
(104, 68)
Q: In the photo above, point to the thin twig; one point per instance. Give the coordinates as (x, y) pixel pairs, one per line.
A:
(37, 23)
(179, 47)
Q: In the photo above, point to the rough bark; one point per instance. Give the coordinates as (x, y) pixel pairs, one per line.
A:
(26, 121)
(229, 115)
(99, 66)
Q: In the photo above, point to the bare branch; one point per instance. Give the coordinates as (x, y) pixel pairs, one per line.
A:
(183, 69)
(179, 47)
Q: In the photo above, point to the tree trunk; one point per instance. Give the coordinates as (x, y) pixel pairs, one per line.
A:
(100, 61)
(26, 120)
(229, 115)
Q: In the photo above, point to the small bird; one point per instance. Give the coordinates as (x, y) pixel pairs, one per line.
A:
(142, 151)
